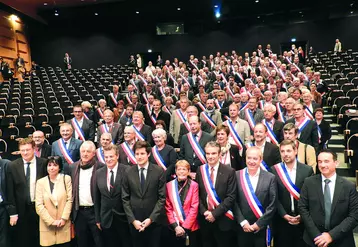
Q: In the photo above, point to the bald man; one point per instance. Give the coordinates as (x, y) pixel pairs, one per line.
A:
(42, 149)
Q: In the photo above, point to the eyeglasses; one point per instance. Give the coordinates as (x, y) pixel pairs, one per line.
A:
(54, 158)
(297, 109)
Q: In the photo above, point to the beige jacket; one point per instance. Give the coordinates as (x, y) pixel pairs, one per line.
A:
(306, 154)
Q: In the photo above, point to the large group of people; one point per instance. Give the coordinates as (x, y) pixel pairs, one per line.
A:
(225, 151)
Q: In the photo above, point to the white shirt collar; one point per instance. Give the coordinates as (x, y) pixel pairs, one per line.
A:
(216, 166)
(333, 178)
(256, 174)
(145, 166)
(68, 141)
(294, 166)
(31, 161)
(114, 169)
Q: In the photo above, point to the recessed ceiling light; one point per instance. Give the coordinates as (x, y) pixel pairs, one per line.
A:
(218, 21)
(215, 6)
(257, 1)
(45, 4)
(258, 17)
(137, 12)
(178, 8)
(95, 13)
(57, 14)
(351, 12)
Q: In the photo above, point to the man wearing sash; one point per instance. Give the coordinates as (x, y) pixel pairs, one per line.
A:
(143, 132)
(178, 118)
(274, 127)
(222, 104)
(109, 212)
(149, 109)
(114, 97)
(252, 114)
(126, 120)
(158, 114)
(239, 129)
(280, 106)
(307, 129)
(211, 116)
(143, 196)
(137, 105)
(110, 126)
(83, 128)
(105, 141)
(290, 175)
(128, 97)
(145, 95)
(217, 193)
(256, 201)
(83, 174)
(310, 105)
(192, 144)
(66, 147)
(126, 154)
(98, 114)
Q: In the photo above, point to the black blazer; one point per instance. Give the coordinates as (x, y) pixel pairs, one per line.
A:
(138, 204)
(46, 150)
(225, 187)
(309, 134)
(3, 186)
(108, 203)
(271, 154)
(284, 197)
(278, 130)
(88, 128)
(110, 102)
(16, 184)
(147, 133)
(344, 214)
(237, 162)
(183, 130)
(326, 131)
(117, 133)
(266, 192)
(165, 116)
(123, 157)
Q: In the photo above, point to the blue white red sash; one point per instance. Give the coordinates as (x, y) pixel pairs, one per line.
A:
(184, 79)
(286, 180)
(282, 74)
(145, 98)
(143, 80)
(274, 65)
(224, 78)
(196, 67)
(128, 99)
(250, 119)
(113, 99)
(281, 116)
(202, 107)
(319, 134)
(100, 112)
(78, 129)
(262, 104)
(172, 78)
(134, 85)
(270, 132)
(100, 155)
(263, 164)
(253, 201)
(176, 90)
(235, 135)
(139, 135)
(244, 107)
(174, 197)
(64, 151)
(166, 109)
(104, 129)
(153, 118)
(208, 119)
(129, 152)
(218, 105)
(230, 91)
(239, 75)
(158, 158)
(302, 124)
(182, 119)
(196, 147)
(85, 116)
(308, 113)
(161, 90)
(123, 114)
(213, 198)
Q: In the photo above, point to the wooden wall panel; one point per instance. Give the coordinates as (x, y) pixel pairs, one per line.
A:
(6, 32)
(7, 53)
(7, 43)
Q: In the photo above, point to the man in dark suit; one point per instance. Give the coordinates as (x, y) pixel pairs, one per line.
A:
(4, 216)
(290, 176)
(19, 62)
(83, 174)
(307, 129)
(252, 113)
(66, 147)
(114, 97)
(110, 126)
(158, 114)
(143, 195)
(254, 187)
(42, 149)
(273, 126)
(222, 104)
(21, 176)
(143, 131)
(328, 206)
(192, 144)
(84, 129)
(270, 152)
(215, 216)
(310, 105)
(110, 216)
(137, 105)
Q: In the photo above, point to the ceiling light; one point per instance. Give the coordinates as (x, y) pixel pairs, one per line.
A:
(95, 13)
(14, 18)
(217, 14)
(137, 12)
(258, 17)
(218, 21)
(45, 4)
(57, 14)
(178, 9)
(149, 50)
(257, 1)
(352, 12)
(215, 6)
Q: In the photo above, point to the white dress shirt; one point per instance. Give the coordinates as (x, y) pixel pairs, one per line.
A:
(114, 169)
(32, 177)
(292, 174)
(145, 170)
(331, 185)
(84, 190)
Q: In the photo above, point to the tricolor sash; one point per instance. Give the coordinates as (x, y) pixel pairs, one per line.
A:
(230, 91)
(270, 132)
(262, 104)
(244, 106)
(174, 197)
(100, 155)
(281, 116)
(100, 112)
(196, 67)
(113, 99)
(139, 135)
(182, 119)
(319, 134)
(302, 124)
(282, 75)
(308, 113)
(147, 107)
(235, 135)
(143, 80)
(263, 164)
(123, 114)
(64, 151)
(274, 65)
(213, 198)
(78, 129)
(104, 129)
(202, 107)
(158, 158)
(129, 152)
(286, 180)
(218, 105)
(196, 147)
(134, 85)
(250, 119)
(153, 118)
(224, 78)
(128, 99)
(161, 90)
(85, 116)
(145, 98)
(166, 109)
(209, 120)
(239, 75)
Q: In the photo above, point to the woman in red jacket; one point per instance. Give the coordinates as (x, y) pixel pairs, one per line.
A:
(182, 205)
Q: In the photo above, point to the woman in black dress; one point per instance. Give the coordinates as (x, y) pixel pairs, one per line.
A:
(324, 129)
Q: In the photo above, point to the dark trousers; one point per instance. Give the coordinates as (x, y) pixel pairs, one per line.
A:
(150, 237)
(250, 239)
(288, 235)
(213, 236)
(180, 241)
(4, 225)
(118, 234)
(87, 233)
(26, 231)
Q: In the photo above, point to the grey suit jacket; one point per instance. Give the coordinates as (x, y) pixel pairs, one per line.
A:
(88, 129)
(258, 116)
(117, 133)
(216, 117)
(242, 129)
(174, 127)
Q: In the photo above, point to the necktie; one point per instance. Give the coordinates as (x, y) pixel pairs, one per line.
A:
(66, 145)
(212, 175)
(110, 128)
(28, 180)
(111, 182)
(327, 204)
(142, 179)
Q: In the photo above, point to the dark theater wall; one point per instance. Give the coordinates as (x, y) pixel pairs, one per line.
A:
(108, 45)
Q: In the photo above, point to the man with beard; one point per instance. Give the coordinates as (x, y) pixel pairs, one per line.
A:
(211, 116)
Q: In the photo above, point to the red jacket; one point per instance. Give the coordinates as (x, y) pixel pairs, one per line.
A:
(191, 206)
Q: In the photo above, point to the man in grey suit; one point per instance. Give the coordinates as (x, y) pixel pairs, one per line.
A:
(256, 201)
(211, 116)
(110, 126)
(328, 206)
(143, 196)
(240, 127)
(66, 147)
(252, 113)
(84, 129)
(192, 144)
